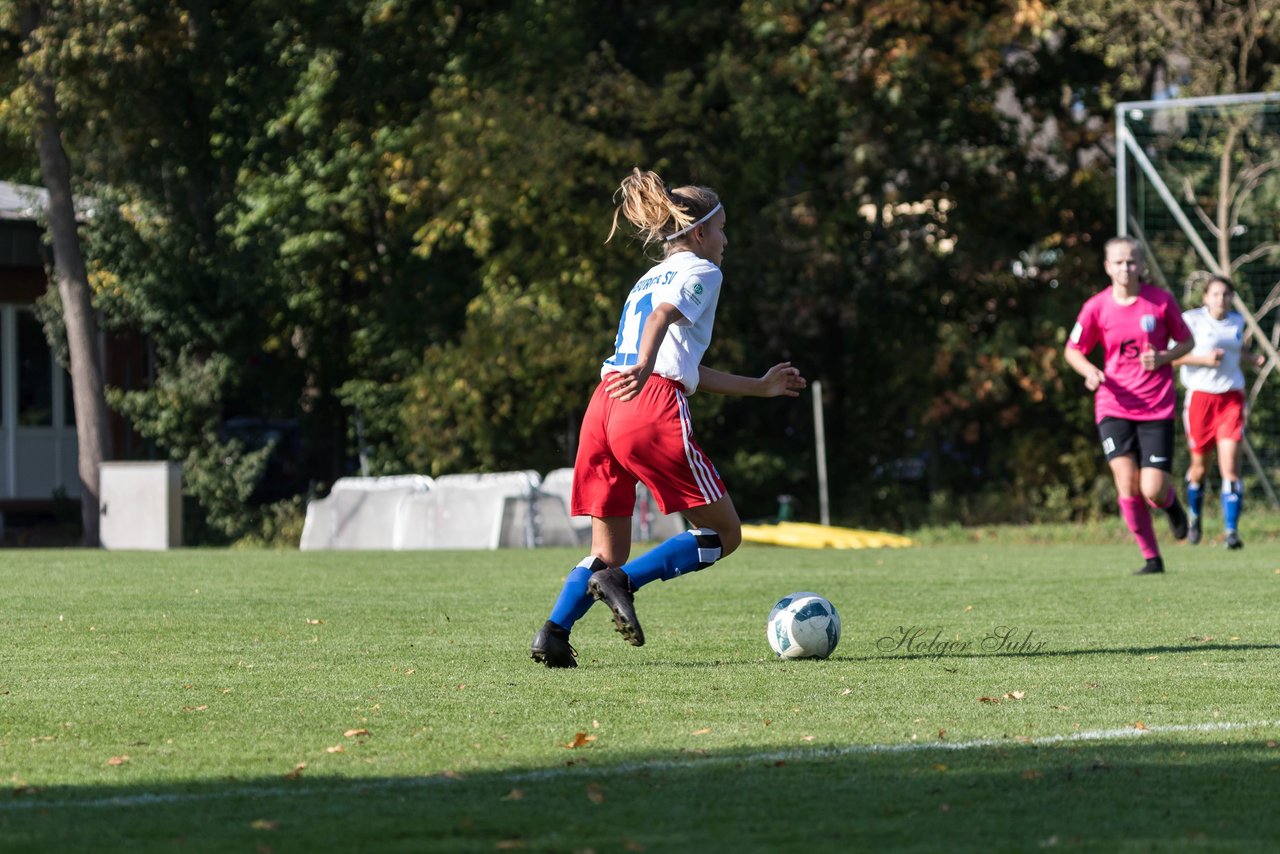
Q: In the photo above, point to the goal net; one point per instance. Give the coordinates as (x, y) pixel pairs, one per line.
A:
(1198, 184)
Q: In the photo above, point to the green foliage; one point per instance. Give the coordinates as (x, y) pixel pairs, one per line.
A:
(385, 221)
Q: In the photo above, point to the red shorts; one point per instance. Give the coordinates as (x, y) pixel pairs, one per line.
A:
(649, 439)
(1209, 417)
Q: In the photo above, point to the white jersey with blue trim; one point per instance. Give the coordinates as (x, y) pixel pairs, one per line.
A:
(692, 285)
(1226, 335)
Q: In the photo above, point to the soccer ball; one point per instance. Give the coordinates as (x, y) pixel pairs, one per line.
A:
(803, 625)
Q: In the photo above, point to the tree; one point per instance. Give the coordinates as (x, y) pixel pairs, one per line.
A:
(92, 429)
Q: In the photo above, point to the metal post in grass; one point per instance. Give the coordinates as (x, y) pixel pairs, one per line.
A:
(820, 441)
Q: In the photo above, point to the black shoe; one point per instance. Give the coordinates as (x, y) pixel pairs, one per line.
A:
(551, 647)
(1177, 520)
(612, 587)
(1193, 531)
(1233, 541)
(1154, 565)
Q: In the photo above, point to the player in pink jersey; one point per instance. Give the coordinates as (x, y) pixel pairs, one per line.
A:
(637, 426)
(1134, 394)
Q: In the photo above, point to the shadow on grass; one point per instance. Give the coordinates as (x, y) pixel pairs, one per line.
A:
(1156, 793)
(925, 655)
(1045, 653)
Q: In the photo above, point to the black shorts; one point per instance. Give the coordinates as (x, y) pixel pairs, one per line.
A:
(1150, 442)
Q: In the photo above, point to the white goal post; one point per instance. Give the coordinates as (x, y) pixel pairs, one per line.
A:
(1198, 184)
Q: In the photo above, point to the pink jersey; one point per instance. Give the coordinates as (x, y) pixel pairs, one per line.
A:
(1154, 319)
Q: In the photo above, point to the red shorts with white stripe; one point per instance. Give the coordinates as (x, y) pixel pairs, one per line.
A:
(1209, 417)
(649, 439)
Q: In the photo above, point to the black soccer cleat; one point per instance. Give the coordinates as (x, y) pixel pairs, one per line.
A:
(1177, 520)
(1154, 566)
(551, 647)
(612, 586)
(1233, 541)
(1193, 531)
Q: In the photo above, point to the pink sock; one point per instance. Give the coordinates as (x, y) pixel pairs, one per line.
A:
(1138, 518)
(1168, 499)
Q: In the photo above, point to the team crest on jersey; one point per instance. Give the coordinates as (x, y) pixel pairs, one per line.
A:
(1148, 323)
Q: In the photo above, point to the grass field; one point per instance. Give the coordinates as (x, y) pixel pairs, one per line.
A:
(985, 696)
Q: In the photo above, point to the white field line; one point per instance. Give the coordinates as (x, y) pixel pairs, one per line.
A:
(36, 801)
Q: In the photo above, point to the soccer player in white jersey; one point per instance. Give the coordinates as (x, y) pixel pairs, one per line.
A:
(1213, 408)
(637, 427)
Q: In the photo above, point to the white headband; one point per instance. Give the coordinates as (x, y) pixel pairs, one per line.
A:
(691, 226)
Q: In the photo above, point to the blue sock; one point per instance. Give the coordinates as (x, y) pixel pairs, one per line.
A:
(574, 599)
(688, 552)
(1195, 498)
(1232, 497)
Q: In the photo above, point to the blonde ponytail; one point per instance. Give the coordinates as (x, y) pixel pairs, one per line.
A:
(656, 212)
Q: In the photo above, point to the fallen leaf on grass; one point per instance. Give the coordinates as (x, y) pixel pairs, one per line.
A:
(194, 708)
(352, 733)
(514, 795)
(807, 738)
(846, 692)
(594, 794)
(988, 700)
(1031, 775)
(264, 824)
(296, 773)
(1015, 695)
(942, 735)
(1140, 725)
(939, 767)
(1060, 708)
(337, 748)
(117, 760)
(1273, 744)
(580, 739)
(702, 731)
(315, 622)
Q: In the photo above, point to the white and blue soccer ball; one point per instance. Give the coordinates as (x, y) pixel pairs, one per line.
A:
(803, 625)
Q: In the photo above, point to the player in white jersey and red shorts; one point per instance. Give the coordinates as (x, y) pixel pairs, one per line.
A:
(1134, 394)
(637, 427)
(1213, 411)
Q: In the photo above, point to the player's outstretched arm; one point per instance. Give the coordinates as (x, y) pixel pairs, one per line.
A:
(782, 380)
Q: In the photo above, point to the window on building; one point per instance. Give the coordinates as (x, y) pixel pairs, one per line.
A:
(35, 374)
